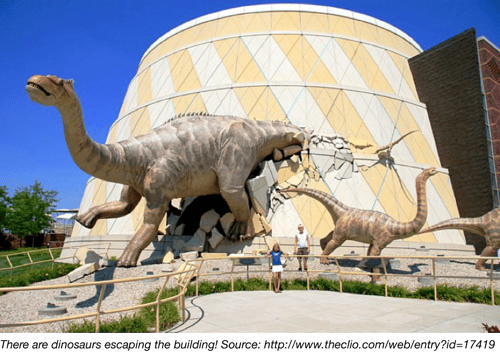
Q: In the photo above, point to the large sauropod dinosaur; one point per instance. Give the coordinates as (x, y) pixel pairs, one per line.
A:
(487, 226)
(187, 157)
(368, 226)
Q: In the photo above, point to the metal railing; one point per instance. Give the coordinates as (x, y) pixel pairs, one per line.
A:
(101, 248)
(182, 277)
(192, 268)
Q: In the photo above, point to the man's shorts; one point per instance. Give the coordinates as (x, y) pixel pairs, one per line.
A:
(302, 251)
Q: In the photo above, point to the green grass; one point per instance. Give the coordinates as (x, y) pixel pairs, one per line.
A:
(30, 276)
(141, 322)
(37, 255)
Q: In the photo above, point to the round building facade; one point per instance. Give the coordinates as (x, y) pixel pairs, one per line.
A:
(343, 75)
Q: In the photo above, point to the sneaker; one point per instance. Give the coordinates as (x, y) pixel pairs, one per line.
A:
(300, 269)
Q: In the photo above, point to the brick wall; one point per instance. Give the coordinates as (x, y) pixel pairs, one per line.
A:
(448, 81)
(489, 59)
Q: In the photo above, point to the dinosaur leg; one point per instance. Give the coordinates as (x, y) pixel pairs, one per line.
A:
(128, 201)
(336, 241)
(237, 200)
(375, 249)
(149, 229)
(489, 251)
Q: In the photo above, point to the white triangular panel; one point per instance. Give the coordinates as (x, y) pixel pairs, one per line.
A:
(131, 96)
(285, 220)
(301, 109)
(161, 79)
(422, 119)
(208, 65)
(160, 112)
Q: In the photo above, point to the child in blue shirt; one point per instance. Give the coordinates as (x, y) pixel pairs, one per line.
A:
(277, 268)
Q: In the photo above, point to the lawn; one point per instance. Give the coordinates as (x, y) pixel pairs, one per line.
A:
(20, 256)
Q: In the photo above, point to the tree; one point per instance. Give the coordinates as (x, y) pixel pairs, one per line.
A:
(4, 206)
(30, 210)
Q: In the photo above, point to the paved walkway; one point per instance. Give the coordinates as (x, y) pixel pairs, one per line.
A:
(322, 311)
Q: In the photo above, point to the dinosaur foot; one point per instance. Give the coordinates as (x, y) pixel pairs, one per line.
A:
(324, 260)
(88, 219)
(239, 231)
(129, 257)
(480, 267)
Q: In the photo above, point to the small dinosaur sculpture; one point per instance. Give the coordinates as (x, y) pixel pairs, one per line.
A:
(368, 226)
(187, 157)
(487, 226)
(384, 152)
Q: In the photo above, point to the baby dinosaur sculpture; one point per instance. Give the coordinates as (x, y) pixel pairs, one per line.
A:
(368, 226)
(487, 226)
(187, 157)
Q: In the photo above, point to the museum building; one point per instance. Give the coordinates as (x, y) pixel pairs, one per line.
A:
(344, 75)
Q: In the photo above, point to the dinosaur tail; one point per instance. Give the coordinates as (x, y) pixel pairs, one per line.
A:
(466, 224)
(333, 205)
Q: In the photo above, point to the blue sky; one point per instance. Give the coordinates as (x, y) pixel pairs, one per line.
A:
(99, 43)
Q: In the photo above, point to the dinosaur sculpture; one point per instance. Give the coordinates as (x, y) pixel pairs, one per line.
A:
(368, 226)
(187, 157)
(487, 226)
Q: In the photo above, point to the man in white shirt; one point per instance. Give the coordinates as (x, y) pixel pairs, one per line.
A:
(302, 246)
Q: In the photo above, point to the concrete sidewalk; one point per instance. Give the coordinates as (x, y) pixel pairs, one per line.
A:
(323, 311)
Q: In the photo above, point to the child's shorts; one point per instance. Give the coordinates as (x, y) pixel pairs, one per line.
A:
(277, 268)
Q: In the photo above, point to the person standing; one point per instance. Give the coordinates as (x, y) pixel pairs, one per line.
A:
(277, 267)
(302, 246)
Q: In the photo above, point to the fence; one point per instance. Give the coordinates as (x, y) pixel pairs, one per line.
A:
(101, 248)
(192, 268)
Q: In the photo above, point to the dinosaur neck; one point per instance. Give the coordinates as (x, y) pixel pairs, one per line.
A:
(93, 158)
(411, 228)
(334, 206)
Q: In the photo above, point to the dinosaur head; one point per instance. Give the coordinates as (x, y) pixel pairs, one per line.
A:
(431, 171)
(49, 90)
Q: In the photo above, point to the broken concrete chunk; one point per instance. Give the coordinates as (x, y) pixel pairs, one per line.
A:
(179, 230)
(209, 220)
(172, 223)
(196, 243)
(257, 188)
(345, 171)
(169, 257)
(186, 201)
(269, 172)
(216, 239)
(185, 256)
(227, 221)
(265, 224)
(255, 222)
(177, 203)
(213, 255)
(86, 256)
(296, 179)
(82, 271)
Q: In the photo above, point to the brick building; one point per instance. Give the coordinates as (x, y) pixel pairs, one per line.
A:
(458, 81)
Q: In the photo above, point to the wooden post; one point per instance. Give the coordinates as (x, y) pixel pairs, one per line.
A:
(491, 283)
(98, 315)
(232, 277)
(385, 274)
(158, 303)
(198, 276)
(339, 273)
(434, 276)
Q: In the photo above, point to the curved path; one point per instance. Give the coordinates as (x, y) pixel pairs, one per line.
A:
(323, 311)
